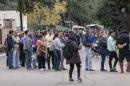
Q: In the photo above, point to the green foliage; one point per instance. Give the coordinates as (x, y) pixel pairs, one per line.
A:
(3, 1)
(112, 16)
(45, 15)
(8, 4)
(84, 10)
(25, 6)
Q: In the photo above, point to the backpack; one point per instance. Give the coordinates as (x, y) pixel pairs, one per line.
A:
(67, 51)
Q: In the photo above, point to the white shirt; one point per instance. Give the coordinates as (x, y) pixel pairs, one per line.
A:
(57, 44)
(49, 40)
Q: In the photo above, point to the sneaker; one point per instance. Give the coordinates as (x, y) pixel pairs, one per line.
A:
(111, 70)
(12, 68)
(91, 70)
(103, 70)
(64, 69)
(29, 68)
(79, 79)
(45, 69)
(41, 69)
(17, 67)
(114, 70)
(49, 68)
(57, 70)
(71, 79)
(86, 69)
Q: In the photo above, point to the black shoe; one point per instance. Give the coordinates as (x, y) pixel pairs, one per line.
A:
(103, 70)
(71, 79)
(12, 68)
(86, 69)
(91, 70)
(57, 70)
(111, 70)
(29, 68)
(64, 69)
(114, 69)
(17, 67)
(79, 79)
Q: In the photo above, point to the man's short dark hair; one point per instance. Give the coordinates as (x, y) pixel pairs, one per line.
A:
(39, 36)
(124, 31)
(110, 32)
(11, 31)
(26, 32)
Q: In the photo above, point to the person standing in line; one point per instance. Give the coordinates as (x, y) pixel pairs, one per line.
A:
(50, 54)
(41, 50)
(123, 44)
(88, 51)
(63, 40)
(75, 59)
(111, 46)
(27, 42)
(10, 49)
(102, 50)
(22, 54)
(34, 40)
(92, 38)
(16, 49)
(57, 51)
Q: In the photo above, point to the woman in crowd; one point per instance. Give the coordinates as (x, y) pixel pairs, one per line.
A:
(16, 49)
(21, 50)
(41, 50)
(57, 51)
(102, 49)
(75, 59)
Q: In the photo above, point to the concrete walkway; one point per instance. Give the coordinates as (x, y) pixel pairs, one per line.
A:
(23, 77)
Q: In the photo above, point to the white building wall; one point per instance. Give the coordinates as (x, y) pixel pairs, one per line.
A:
(13, 15)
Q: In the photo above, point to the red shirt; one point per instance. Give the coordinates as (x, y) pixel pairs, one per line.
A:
(40, 45)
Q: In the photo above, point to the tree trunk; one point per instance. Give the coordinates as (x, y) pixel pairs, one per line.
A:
(21, 21)
(128, 22)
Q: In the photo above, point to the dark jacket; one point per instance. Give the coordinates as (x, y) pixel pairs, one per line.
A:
(102, 46)
(10, 43)
(86, 40)
(75, 57)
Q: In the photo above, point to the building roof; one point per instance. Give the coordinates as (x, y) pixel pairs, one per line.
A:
(77, 26)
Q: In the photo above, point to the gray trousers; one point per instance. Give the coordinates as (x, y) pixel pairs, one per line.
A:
(88, 59)
(16, 58)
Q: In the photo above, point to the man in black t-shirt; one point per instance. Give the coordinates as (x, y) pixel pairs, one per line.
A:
(123, 45)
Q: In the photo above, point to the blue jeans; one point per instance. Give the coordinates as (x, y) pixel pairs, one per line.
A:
(88, 60)
(16, 58)
(28, 58)
(103, 58)
(57, 59)
(10, 59)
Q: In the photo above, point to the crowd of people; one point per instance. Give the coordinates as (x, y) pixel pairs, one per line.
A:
(48, 50)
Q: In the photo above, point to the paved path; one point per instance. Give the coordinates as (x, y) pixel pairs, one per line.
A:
(23, 77)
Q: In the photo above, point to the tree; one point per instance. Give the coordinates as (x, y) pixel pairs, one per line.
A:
(24, 7)
(114, 14)
(52, 16)
(3, 1)
(83, 11)
(45, 15)
(8, 4)
(34, 16)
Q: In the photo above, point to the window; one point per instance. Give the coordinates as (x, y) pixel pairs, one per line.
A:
(8, 23)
